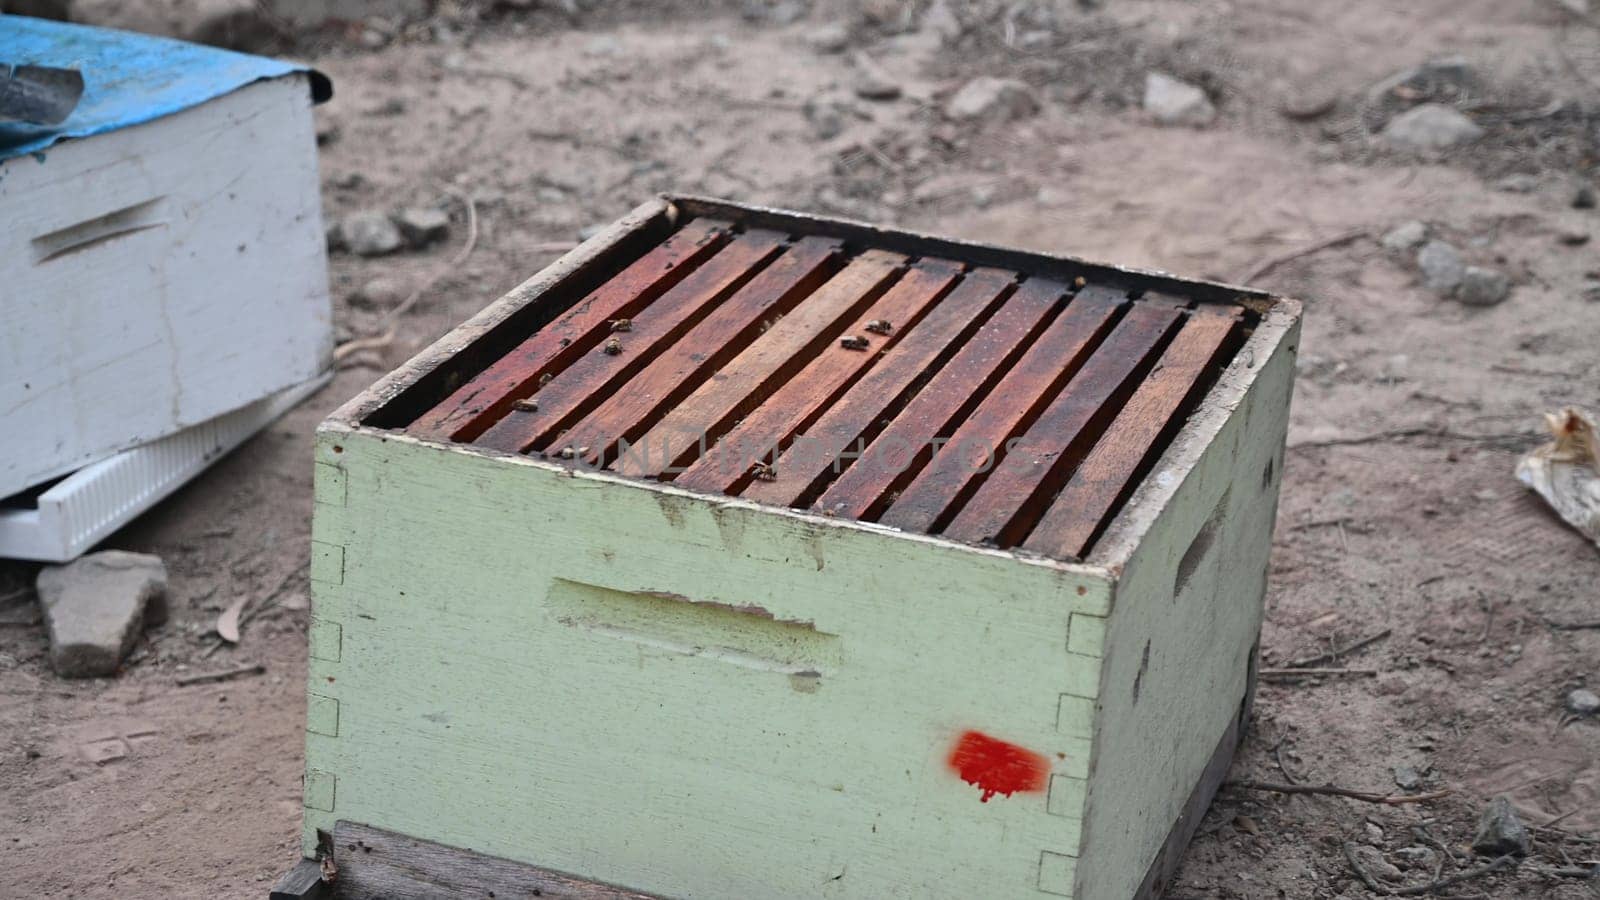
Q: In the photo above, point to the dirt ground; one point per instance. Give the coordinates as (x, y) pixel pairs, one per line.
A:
(1399, 511)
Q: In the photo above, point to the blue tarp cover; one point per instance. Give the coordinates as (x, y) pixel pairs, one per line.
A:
(128, 78)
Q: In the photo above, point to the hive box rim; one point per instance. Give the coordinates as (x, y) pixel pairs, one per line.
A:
(1277, 318)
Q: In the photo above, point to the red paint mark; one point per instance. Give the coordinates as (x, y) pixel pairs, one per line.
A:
(997, 767)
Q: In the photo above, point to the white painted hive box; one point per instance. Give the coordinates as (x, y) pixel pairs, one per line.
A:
(549, 657)
(163, 249)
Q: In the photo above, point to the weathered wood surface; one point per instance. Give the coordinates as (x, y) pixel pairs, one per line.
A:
(488, 396)
(940, 487)
(302, 882)
(941, 335)
(149, 289)
(375, 864)
(1015, 493)
(613, 358)
(644, 686)
(1195, 538)
(1111, 469)
(767, 429)
(746, 379)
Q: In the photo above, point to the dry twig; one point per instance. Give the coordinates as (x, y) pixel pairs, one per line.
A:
(224, 675)
(1317, 673)
(1332, 655)
(1270, 263)
(1329, 790)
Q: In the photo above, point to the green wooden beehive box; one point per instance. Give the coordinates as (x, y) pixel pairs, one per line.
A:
(743, 554)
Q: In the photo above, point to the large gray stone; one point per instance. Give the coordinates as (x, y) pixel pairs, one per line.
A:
(1482, 287)
(370, 234)
(991, 100)
(1430, 127)
(96, 606)
(1173, 102)
(1500, 832)
(1442, 268)
(423, 225)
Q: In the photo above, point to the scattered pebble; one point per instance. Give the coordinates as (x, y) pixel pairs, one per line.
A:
(1500, 831)
(370, 234)
(96, 606)
(1583, 197)
(827, 39)
(1407, 779)
(1573, 238)
(1418, 857)
(423, 226)
(1583, 702)
(1372, 860)
(1430, 127)
(1482, 287)
(1405, 236)
(382, 292)
(1374, 834)
(1590, 291)
(1309, 103)
(874, 85)
(993, 100)
(1442, 268)
(1173, 102)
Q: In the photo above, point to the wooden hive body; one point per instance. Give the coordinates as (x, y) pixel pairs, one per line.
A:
(697, 695)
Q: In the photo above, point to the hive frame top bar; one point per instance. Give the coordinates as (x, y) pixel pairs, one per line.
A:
(424, 379)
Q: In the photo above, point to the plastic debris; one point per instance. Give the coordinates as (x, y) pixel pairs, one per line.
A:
(1566, 471)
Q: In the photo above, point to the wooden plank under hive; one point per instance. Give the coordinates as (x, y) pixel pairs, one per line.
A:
(738, 521)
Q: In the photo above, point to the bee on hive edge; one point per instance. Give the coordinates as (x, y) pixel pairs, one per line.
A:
(854, 342)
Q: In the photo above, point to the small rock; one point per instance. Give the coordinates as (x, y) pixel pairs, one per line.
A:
(827, 119)
(827, 39)
(1573, 238)
(1520, 183)
(1583, 197)
(1590, 291)
(873, 85)
(1417, 857)
(423, 226)
(1430, 127)
(992, 100)
(378, 293)
(334, 235)
(1407, 779)
(373, 39)
(1309, 103)
(1374, 834)
(1405, 236)
(371, 234)
(96, 606)
(1482, 287)
(1174, 102)
(1372, 860)
(1583, 702)
(589, 231)
(1442, 268)
(1500, 832)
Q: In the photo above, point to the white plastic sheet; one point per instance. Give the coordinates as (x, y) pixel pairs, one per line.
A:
(1566, 471)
